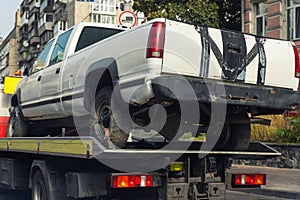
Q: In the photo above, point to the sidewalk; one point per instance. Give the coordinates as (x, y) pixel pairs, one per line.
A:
(281, 182)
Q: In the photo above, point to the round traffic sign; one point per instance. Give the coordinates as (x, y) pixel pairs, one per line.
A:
(127, 18)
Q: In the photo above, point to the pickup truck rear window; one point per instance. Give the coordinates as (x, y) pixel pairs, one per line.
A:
(91, 35)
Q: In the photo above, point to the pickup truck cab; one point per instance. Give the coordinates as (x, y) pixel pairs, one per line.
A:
(111, 80)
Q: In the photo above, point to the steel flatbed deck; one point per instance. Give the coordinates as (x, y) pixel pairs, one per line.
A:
(89, 148)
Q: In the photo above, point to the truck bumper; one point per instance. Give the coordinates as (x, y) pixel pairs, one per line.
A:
(184, 88)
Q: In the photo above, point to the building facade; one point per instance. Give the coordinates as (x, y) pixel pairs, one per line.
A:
(9, 48)
(37, 21)
(23, 34)
(273, 18)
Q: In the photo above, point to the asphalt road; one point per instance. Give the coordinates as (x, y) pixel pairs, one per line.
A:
(231, 195)
(14, 195)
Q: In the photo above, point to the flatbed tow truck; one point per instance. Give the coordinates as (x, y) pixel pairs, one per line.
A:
(58, 168)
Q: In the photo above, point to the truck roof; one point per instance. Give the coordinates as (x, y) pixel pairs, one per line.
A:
(97, 24)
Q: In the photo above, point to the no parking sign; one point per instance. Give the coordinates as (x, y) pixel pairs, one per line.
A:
(127, 18)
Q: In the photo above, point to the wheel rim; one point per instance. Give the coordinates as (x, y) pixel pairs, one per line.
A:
(39, 191)
(103, 115)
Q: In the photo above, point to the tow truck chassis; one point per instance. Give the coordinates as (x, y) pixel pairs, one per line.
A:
(78, 167)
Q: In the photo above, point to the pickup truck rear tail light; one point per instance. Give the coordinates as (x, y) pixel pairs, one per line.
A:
(297, 63)
(156, 40)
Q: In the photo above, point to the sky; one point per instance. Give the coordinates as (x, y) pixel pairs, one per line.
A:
(7, 16)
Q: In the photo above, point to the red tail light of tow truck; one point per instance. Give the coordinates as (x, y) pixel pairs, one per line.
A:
(131, 181)
(248, 179)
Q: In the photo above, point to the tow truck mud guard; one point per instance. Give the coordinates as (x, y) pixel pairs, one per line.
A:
(259, 96)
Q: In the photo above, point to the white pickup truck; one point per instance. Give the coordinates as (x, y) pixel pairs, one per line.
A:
(231, 77)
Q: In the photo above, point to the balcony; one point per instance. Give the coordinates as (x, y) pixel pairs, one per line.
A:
(46, 22)
(33, 18)
(24, 19)
(61, 16)
(34, 40)
(34, 6)
(24, 7)
(23, 35)
(60, 1)
(33, 33)
(48, 26)
(46, 6)
(22, 48)
(33, 25)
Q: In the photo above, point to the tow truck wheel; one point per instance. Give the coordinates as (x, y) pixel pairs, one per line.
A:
(40, 190)
(103, 122)
(17, 126)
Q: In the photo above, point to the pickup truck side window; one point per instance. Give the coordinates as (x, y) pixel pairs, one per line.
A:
(59, 48)
(91, 35)
(40, 62)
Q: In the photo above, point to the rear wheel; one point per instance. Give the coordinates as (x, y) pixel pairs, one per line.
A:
(40, 191)
(17, 125)
(103, 123)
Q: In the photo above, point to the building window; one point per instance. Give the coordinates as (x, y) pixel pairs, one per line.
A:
(62, 25)
(293, 19)
(105, 19)
(104, 6)
(49, 18)
(261, 19)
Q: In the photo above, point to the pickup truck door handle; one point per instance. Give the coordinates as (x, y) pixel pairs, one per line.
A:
(39, 78)
(57, 71)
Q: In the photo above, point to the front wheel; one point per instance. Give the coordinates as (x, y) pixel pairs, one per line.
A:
(103, 122)
(17, 126)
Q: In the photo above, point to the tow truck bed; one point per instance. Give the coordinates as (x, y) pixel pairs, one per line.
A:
(80, 167)
(89, 147)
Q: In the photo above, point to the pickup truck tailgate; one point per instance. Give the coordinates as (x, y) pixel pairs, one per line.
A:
(200, 51)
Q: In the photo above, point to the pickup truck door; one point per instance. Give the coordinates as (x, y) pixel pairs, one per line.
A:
(30, 90)
(50, 80)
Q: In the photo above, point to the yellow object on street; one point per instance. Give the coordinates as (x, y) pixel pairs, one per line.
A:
(10, 84)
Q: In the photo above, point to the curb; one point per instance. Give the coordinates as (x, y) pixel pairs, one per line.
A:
(274, 193)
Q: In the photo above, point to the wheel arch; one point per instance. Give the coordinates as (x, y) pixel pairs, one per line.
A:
(54, 180)
(38, 165)
(15, 99)
(103, 73)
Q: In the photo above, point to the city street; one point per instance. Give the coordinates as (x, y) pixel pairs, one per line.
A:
(231, 195)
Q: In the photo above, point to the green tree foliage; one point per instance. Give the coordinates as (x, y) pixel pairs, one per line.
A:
(230, 14)
(204, 12)
(290, 133)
